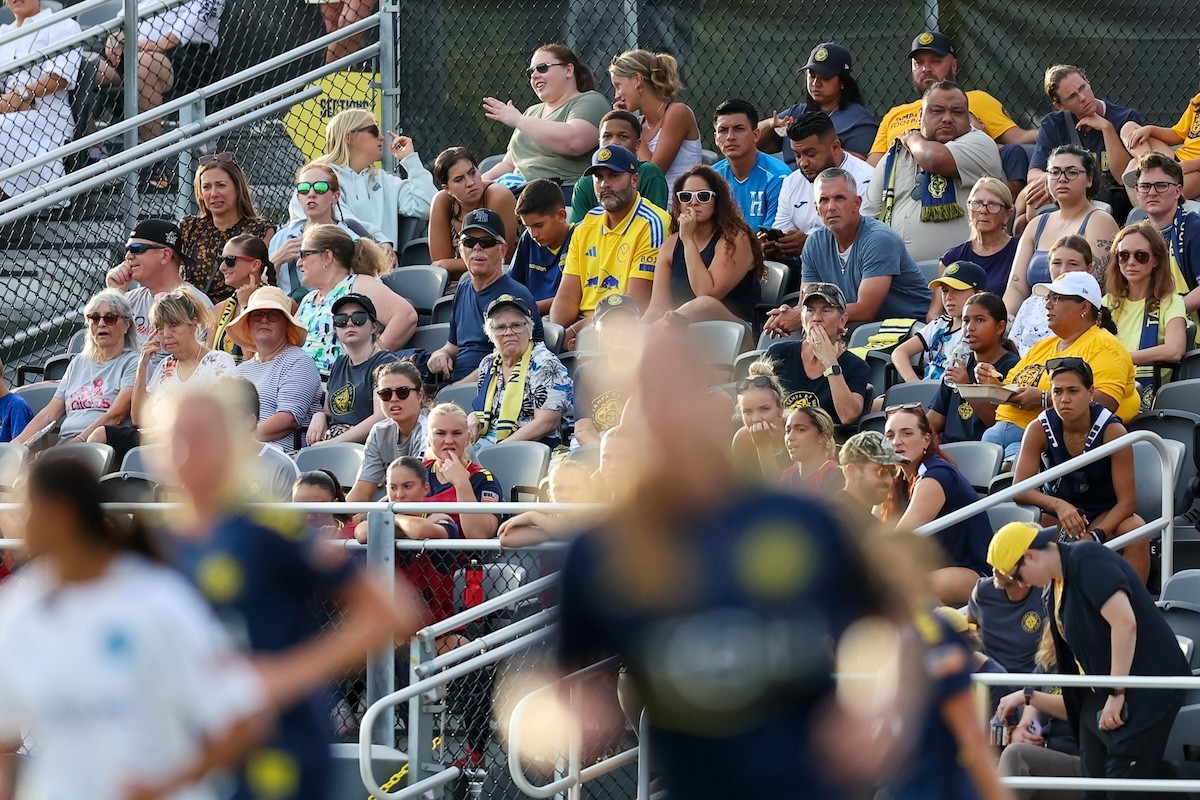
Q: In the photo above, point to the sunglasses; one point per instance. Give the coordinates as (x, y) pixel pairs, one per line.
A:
(701, 196)
(266, 315)
(226, 157)
(229, 261)
(137, 248)
(306, 253)
(355, 318)
(887, 470)
(902, 407)
(372, 129)
(486, 242)
(1016, 570)
(543, 68)
(320, 187)
(1066, 362)
(758, 382)
(402, 392)
(1140, 256)
(109, 319)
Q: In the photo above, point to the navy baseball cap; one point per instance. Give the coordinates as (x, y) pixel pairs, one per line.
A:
(829, 59)
(962, 275)
(485, 220)
(508, 301)
(614, 157)
(359, 299)
(934, 42)
(614, 302)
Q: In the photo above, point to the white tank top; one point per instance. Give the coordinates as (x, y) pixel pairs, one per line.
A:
(689, 155)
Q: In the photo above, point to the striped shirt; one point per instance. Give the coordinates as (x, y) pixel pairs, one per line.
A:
(288, 382)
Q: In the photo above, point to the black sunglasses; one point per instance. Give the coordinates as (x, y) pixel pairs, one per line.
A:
(701, 196)
(355, 318)
(401, 392)
(226, 157)
(320, 187)
(372, 128)
(1016, 570)
(229, 261)
(137, 248)
(306, 253)
(902, 407)
(1140, 256)
(486, 242)
(758, 382)
(543, 68)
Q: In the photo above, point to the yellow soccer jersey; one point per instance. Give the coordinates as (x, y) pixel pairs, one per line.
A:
(605, 260)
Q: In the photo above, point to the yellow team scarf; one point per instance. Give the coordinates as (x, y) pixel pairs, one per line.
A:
(504, 424)
(939, 202)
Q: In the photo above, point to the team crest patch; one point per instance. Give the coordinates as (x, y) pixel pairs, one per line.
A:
(774, 560)
(821, 54)
(220, 577)
(1031, 621)
(925, 38)
(965, 412)
(952, 269)
(604, 155)
(801, 400)
(937, 186)
(342, 400)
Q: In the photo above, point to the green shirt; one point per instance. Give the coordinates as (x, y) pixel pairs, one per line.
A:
(652, 186)
(531, 160)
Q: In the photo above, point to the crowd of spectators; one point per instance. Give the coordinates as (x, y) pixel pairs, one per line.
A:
(601, 229)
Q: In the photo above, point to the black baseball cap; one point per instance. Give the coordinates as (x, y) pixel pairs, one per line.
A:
(360, 299)
(934, 42)
(164, 232)
(829, 59)
(615, 302)
(508, 301)
(485, 220)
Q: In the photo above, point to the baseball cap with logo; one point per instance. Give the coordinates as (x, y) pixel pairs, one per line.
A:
(934, 42)
(869, 446)
(829, 292)
(508, 301)
(1072, 284)
(164, 232)
(614, 157)
(962, 275)
(486, 220)
(829, 59)
(615, 302)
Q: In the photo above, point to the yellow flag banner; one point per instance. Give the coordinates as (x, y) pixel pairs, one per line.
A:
(305, 122)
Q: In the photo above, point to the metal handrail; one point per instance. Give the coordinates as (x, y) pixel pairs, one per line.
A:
(482, 644)
(498, 603)
(203, 93)
(416, 689)
(1166, 524)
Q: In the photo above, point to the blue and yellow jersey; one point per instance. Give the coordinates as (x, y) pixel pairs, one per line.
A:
(605, 260)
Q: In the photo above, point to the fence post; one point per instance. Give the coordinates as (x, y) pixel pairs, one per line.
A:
(389, 32)
(381, 667)
(421, 758)
(129, 99)
(186, 170)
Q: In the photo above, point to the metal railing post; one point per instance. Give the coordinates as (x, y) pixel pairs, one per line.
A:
(185, 199)
(421, 758)
(129, 102)
(381, 667)
(389, 91)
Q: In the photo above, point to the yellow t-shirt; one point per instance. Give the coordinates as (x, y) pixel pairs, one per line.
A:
(1188, 129)
(908, 117)
(1128, 319)
(1112, 370)
(605, 260)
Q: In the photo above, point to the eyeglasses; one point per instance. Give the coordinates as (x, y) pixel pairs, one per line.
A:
(306, 253)
(486, 242)
(355, 318)
(373, 129)
(226, 157)
(137, 248)
(1140, 256)
(1070, 173)
(543, 68)
(701, 196)
(757, 382)
(1156, 186)
(109, 319)
(320, 187)
(1066, 362)
(902, 407)
(402, 392)
(229, 261)
(504, 330)
(990, 206)
(1054, 297)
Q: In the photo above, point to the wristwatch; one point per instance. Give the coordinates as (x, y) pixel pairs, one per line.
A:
(833, 370)
(1116, 692)
(1028, 695)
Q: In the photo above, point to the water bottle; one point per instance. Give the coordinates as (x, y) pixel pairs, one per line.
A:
(473, 591)
(958, 356)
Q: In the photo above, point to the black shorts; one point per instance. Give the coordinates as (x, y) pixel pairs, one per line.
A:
(122, 439)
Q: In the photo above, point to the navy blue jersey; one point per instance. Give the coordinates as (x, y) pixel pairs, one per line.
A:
(266, 577)
(539, 268)
(734, 660)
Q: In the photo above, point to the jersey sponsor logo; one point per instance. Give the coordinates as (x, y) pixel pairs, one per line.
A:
(1031, 622)
(342, 400)
(592, 281)
(801, 400)
(612, 282)
(489, 496)
(801, 204)
(592, 252)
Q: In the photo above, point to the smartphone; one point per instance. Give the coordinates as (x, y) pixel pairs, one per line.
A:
(773, 234)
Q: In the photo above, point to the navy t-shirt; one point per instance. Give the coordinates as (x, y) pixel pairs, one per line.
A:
(964, 543)
(538, 268)
(466, 322)
(998, 266)
(962, 423)
(801, 391)
(351, 388)
(1053, 132)
(770, 578)
(266, 577)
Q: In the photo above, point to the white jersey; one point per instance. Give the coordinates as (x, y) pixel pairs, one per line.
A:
(115, 679)
(797, 210)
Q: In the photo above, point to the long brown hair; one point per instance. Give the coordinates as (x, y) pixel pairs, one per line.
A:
(727, 219)
(241, 186)
(585, 81)
(1162, 282)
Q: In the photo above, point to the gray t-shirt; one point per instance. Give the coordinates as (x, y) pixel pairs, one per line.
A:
(89, 388)
(273, 476)
(384, 447)
(288, 382)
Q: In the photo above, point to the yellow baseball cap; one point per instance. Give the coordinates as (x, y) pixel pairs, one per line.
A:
(1010, 543)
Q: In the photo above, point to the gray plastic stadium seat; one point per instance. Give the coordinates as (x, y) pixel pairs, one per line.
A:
(979, 462)
(1001, 514)
(343, 459)
(421, 285)
(462, 395)
(518, 467)
(98, 455)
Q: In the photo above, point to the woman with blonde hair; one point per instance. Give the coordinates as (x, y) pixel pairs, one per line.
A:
(353, 145)
(335, 264)
(808, 437)
(758, 446)
(989, 211)
(649, 83)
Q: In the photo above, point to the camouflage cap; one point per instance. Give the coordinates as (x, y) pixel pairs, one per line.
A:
(869, 446)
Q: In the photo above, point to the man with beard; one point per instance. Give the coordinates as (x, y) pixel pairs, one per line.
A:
(921, 187)
(817, 148)
(934, 59)
(614, 248)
